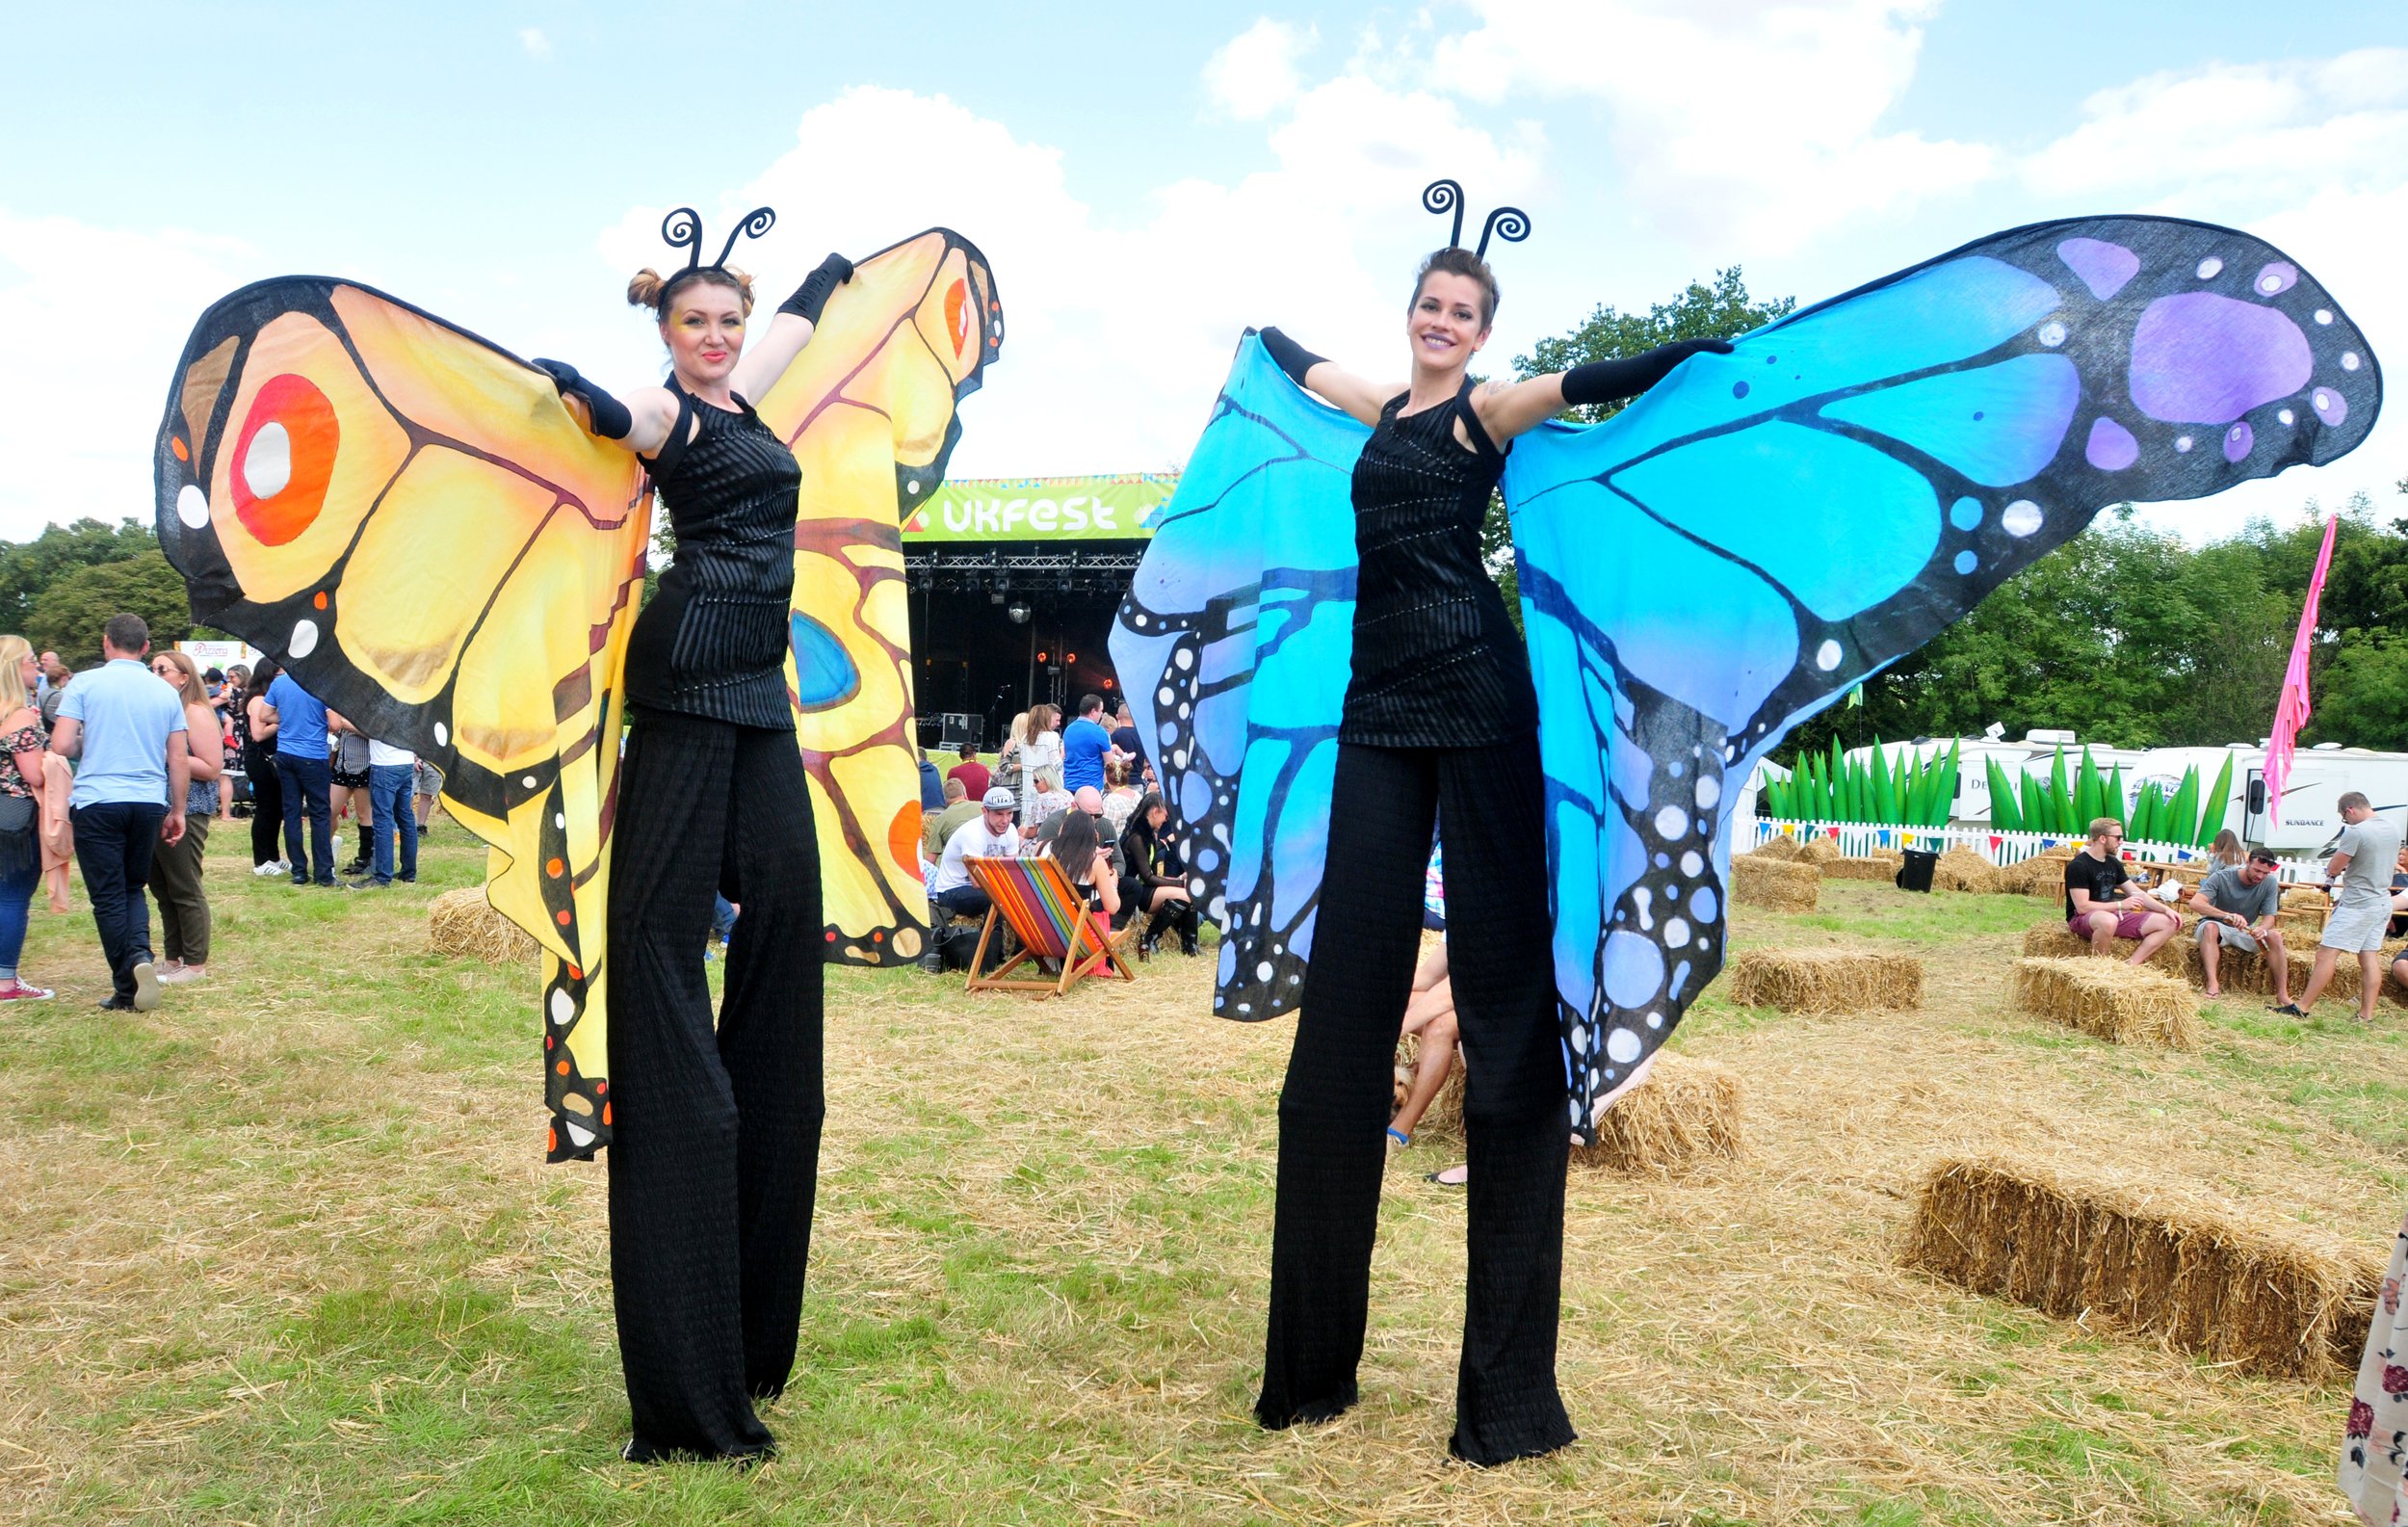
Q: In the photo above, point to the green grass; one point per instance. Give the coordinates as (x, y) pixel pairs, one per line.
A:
(283, 1251)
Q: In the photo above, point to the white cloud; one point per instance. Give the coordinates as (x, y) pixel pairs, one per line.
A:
(99, 316)
(1254, 74)
(2228, 138)
(537, 44)
(1118, 330)
(1771, 138)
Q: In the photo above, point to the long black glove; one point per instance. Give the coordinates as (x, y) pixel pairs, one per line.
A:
(1289, 355)
(810, 299)
(1603, 381)
(611, 419)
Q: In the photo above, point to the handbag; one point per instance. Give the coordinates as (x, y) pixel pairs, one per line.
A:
(16, 813)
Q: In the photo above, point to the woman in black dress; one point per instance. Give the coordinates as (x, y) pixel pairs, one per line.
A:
(715, 1152)
(267, 790)
(1156, 883)
(1440, 723)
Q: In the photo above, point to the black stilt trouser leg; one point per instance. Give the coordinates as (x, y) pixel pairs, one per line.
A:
(715, 1152)
(1489, 805)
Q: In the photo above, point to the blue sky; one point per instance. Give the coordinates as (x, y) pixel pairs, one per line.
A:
(1146, 180)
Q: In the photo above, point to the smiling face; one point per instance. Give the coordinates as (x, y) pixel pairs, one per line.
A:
(704, 330)
(1446, 323)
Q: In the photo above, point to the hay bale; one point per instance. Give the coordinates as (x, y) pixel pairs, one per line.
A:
(1818, 851)
(2177, 957)
(1783, 887)
(2110, 1000)
(2306, 898)
(1779, 847)
(2301, 929)
(2042, 875)
(1825, 980)
(2201, 1275)
(465, 923)
(1683, 1113)
(1961, 869)
(1870, 867)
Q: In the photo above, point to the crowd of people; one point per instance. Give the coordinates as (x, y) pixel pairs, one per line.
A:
(1085, 795)
(123, 768)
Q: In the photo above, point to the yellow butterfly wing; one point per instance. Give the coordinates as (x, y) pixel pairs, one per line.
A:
(868, 410)
(408, 518)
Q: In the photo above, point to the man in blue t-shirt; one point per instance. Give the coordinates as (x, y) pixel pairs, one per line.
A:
(127, 731)
(308, 781)
(1083, 744)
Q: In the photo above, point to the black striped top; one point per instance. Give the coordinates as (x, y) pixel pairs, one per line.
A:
(713, 641)
(1436, 662)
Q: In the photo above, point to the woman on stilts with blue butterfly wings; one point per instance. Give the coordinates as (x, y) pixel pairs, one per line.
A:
(1439, 723)
(1758, 533)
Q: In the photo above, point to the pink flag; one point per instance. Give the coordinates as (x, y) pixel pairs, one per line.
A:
(2292, 711)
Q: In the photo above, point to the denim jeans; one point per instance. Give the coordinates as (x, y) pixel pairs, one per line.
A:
(306, 782)
(16, 891)
(388, 795)
(113, 841)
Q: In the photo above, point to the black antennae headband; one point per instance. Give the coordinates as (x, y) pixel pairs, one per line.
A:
(682, 229)
(1509, 223)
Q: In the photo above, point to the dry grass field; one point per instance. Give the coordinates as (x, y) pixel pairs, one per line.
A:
(284, 1251)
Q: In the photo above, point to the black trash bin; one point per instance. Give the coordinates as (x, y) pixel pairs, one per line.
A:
(1915, 875)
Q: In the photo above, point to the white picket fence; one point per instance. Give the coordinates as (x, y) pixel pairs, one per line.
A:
(1859, 838)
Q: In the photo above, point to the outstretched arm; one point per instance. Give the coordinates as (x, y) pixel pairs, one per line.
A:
(1342, 388)
(1507, 408)
(797, 316)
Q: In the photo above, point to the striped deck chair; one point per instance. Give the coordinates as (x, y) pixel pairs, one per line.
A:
(1048, 916)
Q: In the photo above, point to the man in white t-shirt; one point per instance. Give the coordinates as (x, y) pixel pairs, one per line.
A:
(990, 835)
(2362, 906)
(391, 773)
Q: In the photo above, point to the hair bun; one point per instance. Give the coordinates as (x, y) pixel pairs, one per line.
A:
(645, 288)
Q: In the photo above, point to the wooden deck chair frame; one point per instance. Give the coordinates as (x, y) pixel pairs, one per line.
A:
(1049, 919)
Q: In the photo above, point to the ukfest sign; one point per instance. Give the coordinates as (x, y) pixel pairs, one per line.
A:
(1115, 507)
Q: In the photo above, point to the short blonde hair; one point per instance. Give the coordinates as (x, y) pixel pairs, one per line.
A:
(2098, 827)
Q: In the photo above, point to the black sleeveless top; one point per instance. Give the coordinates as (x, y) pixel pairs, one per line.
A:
(1436, 662)
(713, 641)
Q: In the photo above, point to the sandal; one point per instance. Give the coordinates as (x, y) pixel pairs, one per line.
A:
(2288, 1010)
(1397, 1140)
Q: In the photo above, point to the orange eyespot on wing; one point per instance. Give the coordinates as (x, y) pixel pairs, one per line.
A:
(283, 458)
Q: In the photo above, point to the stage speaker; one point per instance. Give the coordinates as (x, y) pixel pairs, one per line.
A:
(958, 729)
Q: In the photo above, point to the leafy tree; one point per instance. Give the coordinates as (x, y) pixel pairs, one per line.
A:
(27, 569)
(68, 615)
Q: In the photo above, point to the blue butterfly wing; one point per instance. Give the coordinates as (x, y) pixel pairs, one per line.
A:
(1233, 646)
(1763, 529)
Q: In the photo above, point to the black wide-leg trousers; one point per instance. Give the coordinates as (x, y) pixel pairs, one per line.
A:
(1489, 807)
(715, 1144)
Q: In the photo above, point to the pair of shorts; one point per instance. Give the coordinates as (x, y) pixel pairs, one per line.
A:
(2229, 937)
(429, 781)
(351, 780)
(2357, 926)
(2127, 925)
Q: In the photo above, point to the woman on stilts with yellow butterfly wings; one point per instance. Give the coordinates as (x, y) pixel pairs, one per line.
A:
(448, 544)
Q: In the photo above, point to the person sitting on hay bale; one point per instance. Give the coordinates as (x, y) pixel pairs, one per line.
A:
(2098, 909)
(2362, 907)
(2236, 909)
(1430, 1013)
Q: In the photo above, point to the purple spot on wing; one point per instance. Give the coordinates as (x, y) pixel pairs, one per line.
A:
(2330, 405)
(2276, 278)
(2102, 267)
(2237, 442)
(2111, 447)
(2200, 359)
